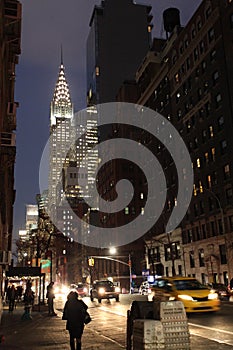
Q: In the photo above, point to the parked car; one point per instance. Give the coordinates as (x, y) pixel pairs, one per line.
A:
(145, 288)
(104, 289)
(195, 296)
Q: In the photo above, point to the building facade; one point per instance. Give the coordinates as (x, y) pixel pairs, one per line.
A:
(188, 79)
(10, 36)
(119, 37)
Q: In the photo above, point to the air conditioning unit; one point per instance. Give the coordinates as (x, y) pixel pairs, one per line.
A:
(5, 257)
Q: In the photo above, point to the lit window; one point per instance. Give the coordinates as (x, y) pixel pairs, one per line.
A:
(209, 181)
(149, 29)
(211, 131)
(207, 157)
(126, 210)
(200, 186)
(194, 190)
(213, 154)
(198, 162)
(97, 71)
(142, 196)
(177, 78)
(142, 211)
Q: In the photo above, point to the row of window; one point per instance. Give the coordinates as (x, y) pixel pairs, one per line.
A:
(207, 230)
(203, 258)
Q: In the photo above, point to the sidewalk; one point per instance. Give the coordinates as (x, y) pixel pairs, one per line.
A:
(45, 332)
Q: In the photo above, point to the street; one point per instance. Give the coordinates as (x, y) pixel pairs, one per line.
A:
(109, 320)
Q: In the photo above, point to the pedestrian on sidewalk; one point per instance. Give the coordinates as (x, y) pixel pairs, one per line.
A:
(28, 302)
(74, 313)
(50, 296)
(12, 297)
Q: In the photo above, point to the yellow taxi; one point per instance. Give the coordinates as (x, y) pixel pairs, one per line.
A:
(195, 296)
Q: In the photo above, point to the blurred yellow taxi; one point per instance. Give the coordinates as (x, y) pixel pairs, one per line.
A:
(195, 296)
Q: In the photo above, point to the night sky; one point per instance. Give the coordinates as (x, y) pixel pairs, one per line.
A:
(46, 25)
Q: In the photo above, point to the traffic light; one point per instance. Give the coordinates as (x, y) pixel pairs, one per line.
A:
(91, 261)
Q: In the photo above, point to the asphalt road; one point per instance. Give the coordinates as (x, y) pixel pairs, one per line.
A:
(110, 320)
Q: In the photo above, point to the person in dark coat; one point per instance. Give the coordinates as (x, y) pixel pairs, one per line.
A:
(74, 312)
(50, 296)
(12, 297)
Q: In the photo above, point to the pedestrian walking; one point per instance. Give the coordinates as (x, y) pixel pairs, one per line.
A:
(28, 302)
(74, 313)
(12, 296)
(50, 296)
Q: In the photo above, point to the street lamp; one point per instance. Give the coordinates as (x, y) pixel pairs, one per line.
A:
(112, 250)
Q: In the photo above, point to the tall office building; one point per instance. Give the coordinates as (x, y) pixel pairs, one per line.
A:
(10, 38)
(188, 79)
(61, 113)
(119, 38)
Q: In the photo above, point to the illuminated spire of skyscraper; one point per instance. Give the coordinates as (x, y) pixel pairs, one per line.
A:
(61, 114)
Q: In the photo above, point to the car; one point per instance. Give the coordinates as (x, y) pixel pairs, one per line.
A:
(195, 296)
(222, 290)
(145, 288)
(82, 289)
(104, 289)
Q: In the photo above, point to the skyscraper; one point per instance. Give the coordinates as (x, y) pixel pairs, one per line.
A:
(61, 113)
(119, 38)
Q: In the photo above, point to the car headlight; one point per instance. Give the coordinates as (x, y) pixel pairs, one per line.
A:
(101, 291)
(213, 296)
(185, 297)
(117, 289)
(65, 290)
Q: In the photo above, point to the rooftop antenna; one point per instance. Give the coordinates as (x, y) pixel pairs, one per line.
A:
(61, 55)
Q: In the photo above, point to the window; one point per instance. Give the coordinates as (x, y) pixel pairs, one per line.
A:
(211, 204)
(229, 195)
(213, 55)
(223, 254)
(211, 35)
(231, 20)
(218, 100)
(231, 222)
(226, 171)
(213, 154)
(220, 123)
(198, 162)
(220, 226)
(178, 97)
(193, 33)
(208, 12)
(213, 229)
(211, 131)
(215, 77)
(209, 181)
(203, 229)
(196, 54)
(199, 25)
(223, 146)
(188, 63)
(179, 114)
(201, 257)
(202, 46)
(207, 157)
(191, 259)
(203, 66)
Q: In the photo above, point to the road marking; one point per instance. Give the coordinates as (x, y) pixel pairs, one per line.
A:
(211, 328)
(107, 338)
